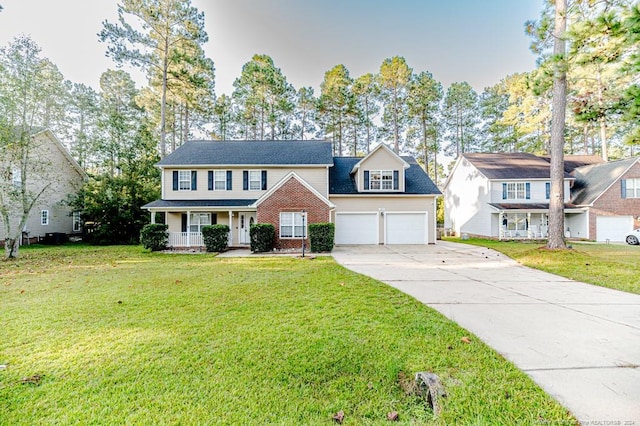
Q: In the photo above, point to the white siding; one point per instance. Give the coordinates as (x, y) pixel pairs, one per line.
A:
(317, 177)
(466, 198)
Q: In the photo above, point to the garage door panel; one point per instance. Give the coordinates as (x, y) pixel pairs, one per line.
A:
(406, 228)
(357, 228)
(613, 228)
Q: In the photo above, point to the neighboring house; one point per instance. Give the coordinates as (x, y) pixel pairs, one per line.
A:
(53, 171)
(611, 194)
(506, 195)
(381, 198)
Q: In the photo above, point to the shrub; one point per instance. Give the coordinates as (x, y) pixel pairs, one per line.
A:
(216, 237)
(263, 236)
(321, 236)
(154, 236)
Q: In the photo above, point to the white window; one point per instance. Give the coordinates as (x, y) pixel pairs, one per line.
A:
(184, 180)
(292, 225)
(516, 191)
(219, 180)
(77, 223)
(517, 222)
(44, 217)
(255, 180)
(381, 180)
(198, 220)
(633, 188)
(16, 178)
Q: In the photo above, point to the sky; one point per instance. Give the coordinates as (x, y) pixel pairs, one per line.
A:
(477, 41)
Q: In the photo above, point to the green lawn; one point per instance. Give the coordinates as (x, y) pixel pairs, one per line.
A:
(608, 265)
(116, 335)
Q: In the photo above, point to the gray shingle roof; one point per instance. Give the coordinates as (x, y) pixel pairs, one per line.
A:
(593, 180)
(197, 203)
(512, 165)
(342, 182)
(197, 153)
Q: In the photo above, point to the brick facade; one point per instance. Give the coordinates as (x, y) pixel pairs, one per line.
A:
(611, 203)
(292, 196)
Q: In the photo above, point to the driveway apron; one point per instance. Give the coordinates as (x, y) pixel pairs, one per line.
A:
(579, 342)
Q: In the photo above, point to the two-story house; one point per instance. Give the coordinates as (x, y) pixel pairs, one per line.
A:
(381, 198)
(54, 176)
(506, 195)
(503, 195)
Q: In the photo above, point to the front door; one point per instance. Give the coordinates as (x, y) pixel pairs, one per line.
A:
(246, 220)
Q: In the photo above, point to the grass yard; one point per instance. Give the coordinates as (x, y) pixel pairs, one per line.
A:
(608, 265)
(116, 335)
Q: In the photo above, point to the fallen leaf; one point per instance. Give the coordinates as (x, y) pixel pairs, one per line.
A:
(338, 417)
(465, 339)
(178, 281)
(393, 416)
(33, 380)
(342, 284)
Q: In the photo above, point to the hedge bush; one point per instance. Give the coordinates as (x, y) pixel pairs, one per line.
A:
(154, 236)
(216, 237)
(263, 237)
(321, 236)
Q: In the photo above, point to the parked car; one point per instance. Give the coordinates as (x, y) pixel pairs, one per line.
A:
(634, 237)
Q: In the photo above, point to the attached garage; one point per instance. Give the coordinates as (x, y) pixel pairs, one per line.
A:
(357, 228)
(406, 228)
(613, 228)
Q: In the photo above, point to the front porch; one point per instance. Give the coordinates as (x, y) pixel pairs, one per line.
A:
(523, 226)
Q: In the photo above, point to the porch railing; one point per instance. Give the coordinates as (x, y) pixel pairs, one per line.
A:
(185, 239)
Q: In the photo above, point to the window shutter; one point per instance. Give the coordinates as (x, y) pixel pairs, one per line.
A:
(245, 180)
(214, 218)
(194, 179)
(366, 179)
(528, 190)
(396, 178)
(184, 222)
(504, 191)
(548, 190)
(623, 188)
(175, 180)
(210, 174)
(264, 180)
(229, 184)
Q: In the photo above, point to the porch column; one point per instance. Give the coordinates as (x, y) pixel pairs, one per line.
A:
(230, 228)
(153, 217)
(188, 228)
(529, 225)
(500, 226)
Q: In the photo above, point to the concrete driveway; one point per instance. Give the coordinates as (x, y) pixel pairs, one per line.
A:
(579, 342)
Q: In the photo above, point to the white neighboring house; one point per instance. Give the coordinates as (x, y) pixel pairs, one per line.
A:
(60, 176)
(505, 196)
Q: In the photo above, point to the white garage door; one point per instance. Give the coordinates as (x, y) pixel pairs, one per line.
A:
(613, 228)
(356, 228)
(406, 228)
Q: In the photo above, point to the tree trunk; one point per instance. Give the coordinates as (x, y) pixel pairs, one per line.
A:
(163, 102)
(556, 198)
(11, 248)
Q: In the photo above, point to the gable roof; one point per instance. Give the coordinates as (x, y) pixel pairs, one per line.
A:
(247, 153)
(63, 150)
(373, 151)
(342, 181)
(593, 180)
(511, 165)
(284, 180)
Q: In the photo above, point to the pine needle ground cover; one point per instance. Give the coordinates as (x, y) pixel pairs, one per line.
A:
(613, 266)
(116, 335)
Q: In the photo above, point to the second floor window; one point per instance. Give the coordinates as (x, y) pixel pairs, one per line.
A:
(381, 180)
(516, 191)
(44, 217)
(184, 180)
(255, 180)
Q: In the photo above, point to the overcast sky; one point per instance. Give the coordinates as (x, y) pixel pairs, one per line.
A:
(478, 41)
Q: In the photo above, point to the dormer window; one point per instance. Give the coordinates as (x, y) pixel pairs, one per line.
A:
(381, 180)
